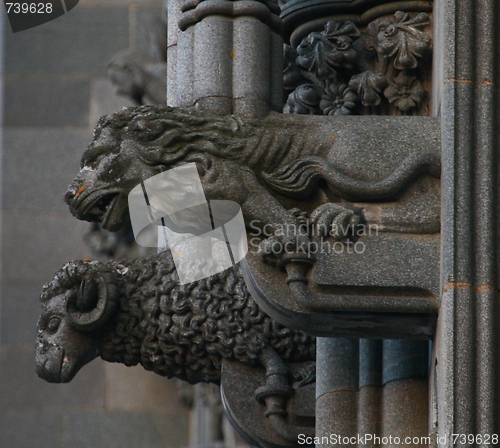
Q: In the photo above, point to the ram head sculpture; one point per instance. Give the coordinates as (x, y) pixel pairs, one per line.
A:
(136, 312)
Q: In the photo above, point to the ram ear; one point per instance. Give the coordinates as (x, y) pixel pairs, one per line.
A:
(95, 303)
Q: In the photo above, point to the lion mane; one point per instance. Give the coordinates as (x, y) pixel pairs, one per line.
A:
(239, 158)
(178, 132)
(296, 170)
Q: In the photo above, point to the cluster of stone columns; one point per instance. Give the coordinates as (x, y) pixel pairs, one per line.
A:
(373, 388)
(467, 362)
(224, 56)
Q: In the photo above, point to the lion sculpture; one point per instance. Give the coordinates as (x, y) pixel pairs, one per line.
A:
(266, 165)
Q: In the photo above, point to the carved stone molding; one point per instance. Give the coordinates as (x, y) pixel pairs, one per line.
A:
(383, 69)
(246, 414)
(193, 11)
(301, 17)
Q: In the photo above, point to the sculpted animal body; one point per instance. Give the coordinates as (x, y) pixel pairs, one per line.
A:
(137, 313)
(261, 164)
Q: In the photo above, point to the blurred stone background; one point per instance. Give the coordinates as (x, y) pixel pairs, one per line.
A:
(54, 89)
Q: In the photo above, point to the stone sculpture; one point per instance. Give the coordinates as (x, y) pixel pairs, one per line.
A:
(282, 171)
(140, 75)
(135, 312)
(256, 163)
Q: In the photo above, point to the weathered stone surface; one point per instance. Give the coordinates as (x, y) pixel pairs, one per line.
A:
(402, 419)
(230, 59)
(238, 385)
(213, 75)
(336, 414)
(384, 260)
(405, 359)
(183, 71)
(251, 48)
(467, 359)
(195, 12)
(340, 314)
(337, 365)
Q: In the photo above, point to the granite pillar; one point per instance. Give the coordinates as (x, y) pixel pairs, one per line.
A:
(224, 56)
(467, 360)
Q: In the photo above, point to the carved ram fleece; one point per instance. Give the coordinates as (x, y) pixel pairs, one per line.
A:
(135, 312)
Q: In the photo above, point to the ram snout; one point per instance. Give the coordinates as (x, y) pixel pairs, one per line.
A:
(71, 324)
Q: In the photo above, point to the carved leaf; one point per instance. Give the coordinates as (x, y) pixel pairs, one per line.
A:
(317, 54)
(292, 75)
(369, 85)
(324, 53)
(335, 29)
(351, 68)
(402, 38)
(304, 100)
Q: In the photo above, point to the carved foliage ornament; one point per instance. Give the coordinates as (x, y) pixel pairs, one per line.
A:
(343, 71)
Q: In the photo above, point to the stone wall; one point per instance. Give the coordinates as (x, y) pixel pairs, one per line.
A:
(55, 88)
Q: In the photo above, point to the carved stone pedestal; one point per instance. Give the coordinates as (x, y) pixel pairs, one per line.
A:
(239, 384)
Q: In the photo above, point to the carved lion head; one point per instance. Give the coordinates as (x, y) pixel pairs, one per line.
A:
(140, 142)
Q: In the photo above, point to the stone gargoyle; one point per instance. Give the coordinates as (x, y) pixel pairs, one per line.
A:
(268, 166)
(135, 312)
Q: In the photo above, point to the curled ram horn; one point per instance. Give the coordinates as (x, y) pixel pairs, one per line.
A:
(95, 303)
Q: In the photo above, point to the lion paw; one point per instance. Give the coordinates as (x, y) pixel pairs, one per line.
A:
(274, 248)
(335, 220)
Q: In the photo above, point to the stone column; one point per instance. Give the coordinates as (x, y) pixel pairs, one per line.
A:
(173, 8)
(224, 56)
(467, 363)
(337, 370)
